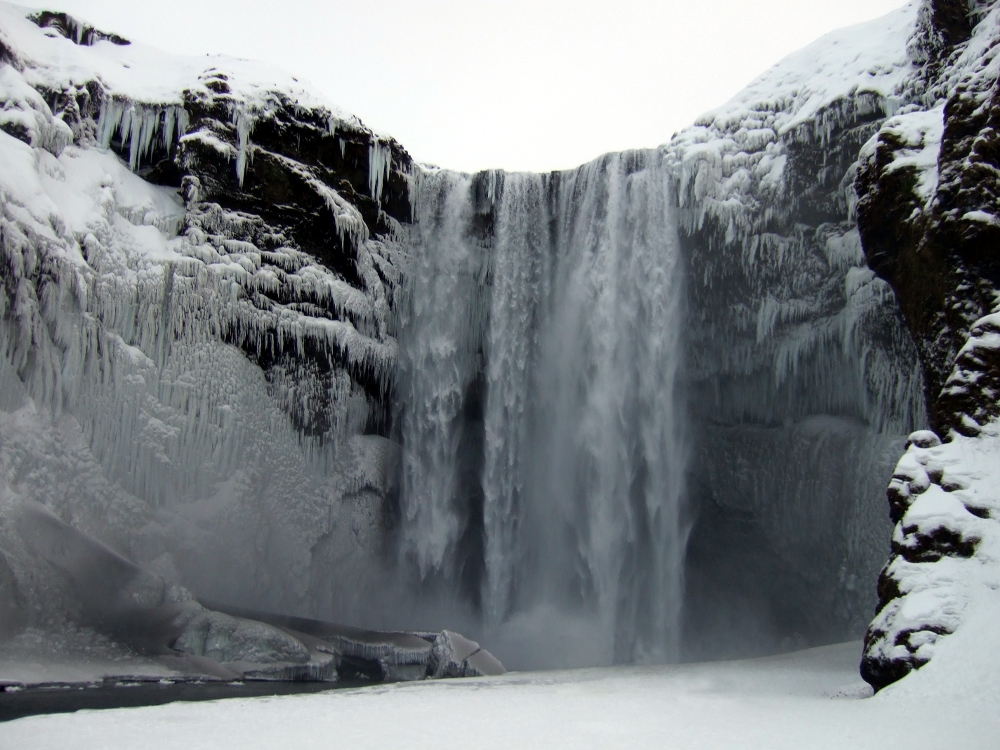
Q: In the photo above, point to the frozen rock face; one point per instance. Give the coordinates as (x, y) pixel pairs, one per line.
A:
(802, 377)
(200, 264)
(928, 212)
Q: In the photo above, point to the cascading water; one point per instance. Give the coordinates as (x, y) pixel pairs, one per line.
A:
(439, 362)
(539, 411)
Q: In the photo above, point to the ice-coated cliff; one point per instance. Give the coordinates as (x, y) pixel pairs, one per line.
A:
(642, 410)
(200, 260)
(802, 377)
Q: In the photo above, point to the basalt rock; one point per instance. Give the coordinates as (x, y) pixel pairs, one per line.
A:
(929, 202)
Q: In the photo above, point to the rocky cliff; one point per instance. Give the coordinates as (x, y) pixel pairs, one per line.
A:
(802, 376)
(207, 268)
(200, 265)
(928, 191)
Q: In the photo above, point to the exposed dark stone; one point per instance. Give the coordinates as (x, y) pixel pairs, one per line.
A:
(899, 502)
(17, 131)
(951, 20)
(74, 30)
(888, 588)
(880, 673)
(922, 547)
(971, 396)
(942, 263)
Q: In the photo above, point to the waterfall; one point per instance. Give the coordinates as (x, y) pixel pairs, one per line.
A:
(543, 451)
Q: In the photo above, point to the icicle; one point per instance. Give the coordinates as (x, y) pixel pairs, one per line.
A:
(379, 166)
(138, 125)
(244, 120)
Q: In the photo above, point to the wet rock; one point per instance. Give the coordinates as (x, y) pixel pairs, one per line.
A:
(456, 656)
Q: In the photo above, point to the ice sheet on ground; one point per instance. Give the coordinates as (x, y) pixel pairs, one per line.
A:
(810, 699)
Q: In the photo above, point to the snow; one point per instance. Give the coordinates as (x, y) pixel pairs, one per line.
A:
(950, 487)
(819, 319)
(742, 145)
(133, 418)
(809, 700)
(145, 75)
(919, 135)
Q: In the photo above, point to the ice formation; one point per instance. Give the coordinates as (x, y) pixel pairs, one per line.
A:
(183, 380)
(250, 345)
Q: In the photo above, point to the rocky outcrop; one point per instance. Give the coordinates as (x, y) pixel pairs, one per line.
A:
(928, 212)
(196, 255)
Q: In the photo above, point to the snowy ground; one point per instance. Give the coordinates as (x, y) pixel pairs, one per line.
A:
(811, 699)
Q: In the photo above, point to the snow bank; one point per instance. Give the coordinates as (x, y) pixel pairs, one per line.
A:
(812, 699)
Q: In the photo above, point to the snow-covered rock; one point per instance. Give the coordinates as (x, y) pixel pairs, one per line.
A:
(794, 346)
(200, 260)
(928, 186)
(454, 655)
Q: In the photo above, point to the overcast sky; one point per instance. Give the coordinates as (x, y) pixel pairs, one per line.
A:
(466, 84)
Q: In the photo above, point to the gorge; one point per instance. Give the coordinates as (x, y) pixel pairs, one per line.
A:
(643, 411)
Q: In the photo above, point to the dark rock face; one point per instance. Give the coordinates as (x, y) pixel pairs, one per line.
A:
(935, 240)
(75, 30)
(940, 255)
(297, 168)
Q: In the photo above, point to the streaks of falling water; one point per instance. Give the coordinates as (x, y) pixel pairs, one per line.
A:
(582, 454)
(438, 362)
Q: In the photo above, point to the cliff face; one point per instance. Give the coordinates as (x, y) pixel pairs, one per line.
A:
(802, 377)
(205, 270)
(200, 265)
(928, 205)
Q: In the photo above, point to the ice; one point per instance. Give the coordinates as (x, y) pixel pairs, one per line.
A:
(138, 125)
(811, 699)
(114, 323)
(379, 164)
(244, 122)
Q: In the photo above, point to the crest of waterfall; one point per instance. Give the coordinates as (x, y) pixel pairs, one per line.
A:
(541, 351)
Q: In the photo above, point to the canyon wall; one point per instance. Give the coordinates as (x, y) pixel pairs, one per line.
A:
(639, 411)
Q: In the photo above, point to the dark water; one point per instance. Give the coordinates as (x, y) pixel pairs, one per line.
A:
(16, 703)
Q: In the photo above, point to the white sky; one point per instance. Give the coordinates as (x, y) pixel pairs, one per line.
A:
(533, 85)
